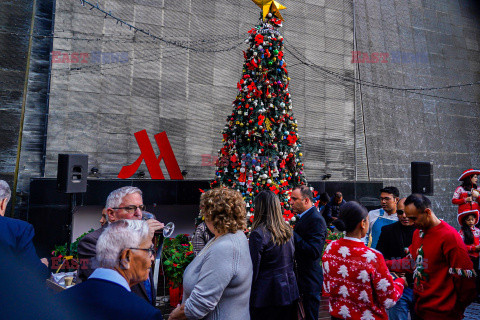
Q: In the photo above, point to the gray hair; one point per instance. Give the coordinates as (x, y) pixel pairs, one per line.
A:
(119, 235)
(116, 196)
(5, 192)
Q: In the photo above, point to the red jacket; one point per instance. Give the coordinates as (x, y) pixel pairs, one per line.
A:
(472, 248)
(358, 281)
(446, 284)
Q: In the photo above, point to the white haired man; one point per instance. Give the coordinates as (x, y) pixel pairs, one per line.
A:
(16, 236)
(122, 203)
(124, 254)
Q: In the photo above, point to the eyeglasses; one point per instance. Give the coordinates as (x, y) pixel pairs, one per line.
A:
(400, 212)
(151, 250)
(132, 208)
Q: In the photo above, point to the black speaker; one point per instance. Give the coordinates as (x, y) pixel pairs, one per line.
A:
(422, 178)
(72, 173)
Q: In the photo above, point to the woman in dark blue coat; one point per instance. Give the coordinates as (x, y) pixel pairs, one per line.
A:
(274, 287)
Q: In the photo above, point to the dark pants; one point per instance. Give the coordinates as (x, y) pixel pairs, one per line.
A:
(274, 313)
(311, 304)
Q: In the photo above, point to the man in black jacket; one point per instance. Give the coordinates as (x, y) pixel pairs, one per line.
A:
(309, 234)
(394, 240)
(332, 209)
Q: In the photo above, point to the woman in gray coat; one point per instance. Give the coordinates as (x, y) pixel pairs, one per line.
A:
(216, 284)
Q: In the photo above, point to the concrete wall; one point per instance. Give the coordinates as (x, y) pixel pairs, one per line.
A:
(16, 22)
(188, 93)
(15, 18)
(351, 131)
(441, 44)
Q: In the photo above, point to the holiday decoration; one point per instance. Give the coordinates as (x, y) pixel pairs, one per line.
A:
(268, 6)
(260, 141)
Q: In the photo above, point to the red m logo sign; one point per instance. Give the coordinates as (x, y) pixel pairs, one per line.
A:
(151, 160)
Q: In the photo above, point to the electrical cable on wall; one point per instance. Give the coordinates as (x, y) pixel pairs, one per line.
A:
(345, 78)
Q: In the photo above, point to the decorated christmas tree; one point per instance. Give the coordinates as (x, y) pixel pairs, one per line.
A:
(261, 148)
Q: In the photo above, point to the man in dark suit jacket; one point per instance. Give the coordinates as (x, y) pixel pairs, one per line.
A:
(394, 239)
(122, 203)
(16, 237)
(309, 234)
(332, 208)
(102, 299)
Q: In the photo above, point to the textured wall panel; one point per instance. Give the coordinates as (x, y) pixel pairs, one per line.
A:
(188, 93)
(431, 39)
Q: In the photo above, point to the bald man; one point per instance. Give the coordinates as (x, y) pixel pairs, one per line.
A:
(393, 244)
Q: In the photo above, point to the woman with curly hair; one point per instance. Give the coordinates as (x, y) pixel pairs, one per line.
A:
(274, 286)
(216, 284)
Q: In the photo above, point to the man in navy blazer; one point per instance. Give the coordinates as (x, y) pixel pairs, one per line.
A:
(104, 299)
(124, 254)
(309, 233)
(16, 237)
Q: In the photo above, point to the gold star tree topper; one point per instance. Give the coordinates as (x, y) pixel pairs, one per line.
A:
(270, 6)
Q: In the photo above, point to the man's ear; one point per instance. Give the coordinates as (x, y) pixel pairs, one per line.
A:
(125, 256)
(397, 199)
(3, 205)
(428, 211)
(110, 214)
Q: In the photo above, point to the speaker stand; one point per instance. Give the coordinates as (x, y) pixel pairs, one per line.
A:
(72, 202)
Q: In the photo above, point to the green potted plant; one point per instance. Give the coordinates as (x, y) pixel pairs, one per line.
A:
(177, 254)
(332, 235)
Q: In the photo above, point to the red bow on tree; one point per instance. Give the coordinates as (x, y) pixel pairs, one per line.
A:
(274, 189)
(252, 65)
(292, 139)
(261, 118)
(287, 214)
(252, 87)
(258, 39)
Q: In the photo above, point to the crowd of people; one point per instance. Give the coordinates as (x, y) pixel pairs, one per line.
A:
(397, 262)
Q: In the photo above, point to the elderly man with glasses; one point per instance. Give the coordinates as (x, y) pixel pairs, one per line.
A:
(124, 254)
(123, 203)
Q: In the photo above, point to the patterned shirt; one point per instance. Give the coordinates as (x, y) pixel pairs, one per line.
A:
(472, 248)
(358, 281)
(201, 237)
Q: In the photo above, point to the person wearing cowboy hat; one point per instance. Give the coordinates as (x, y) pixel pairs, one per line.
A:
(471, 237)
(466, 195)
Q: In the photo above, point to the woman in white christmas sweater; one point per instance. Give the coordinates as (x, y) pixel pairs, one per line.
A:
(355, 276)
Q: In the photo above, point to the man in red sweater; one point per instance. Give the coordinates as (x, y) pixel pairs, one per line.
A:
(444, 280)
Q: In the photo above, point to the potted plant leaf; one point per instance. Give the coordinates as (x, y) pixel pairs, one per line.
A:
(177, 254)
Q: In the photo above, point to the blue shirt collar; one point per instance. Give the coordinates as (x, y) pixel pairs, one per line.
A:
(301, 214)
(110, 275)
